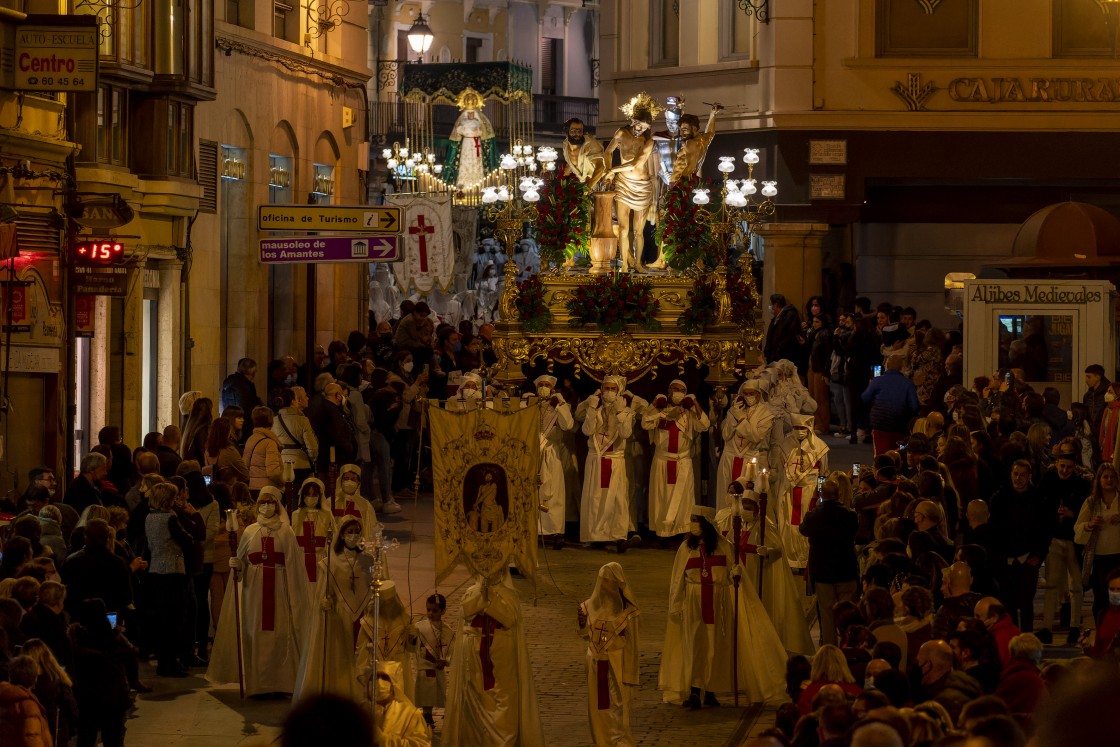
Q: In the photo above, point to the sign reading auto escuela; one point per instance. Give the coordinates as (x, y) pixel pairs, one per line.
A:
(56, 53)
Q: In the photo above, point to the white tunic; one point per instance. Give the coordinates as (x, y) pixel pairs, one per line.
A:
(605, 509)
(312, 527)
(746, 435)
(434, 642)
(806, 461)
(491, 699)
(672, 482)
(555, 422)
(698, 649)
(779, 592)
(272, 593)
(612, 674)
(394, 642)
(343, 592)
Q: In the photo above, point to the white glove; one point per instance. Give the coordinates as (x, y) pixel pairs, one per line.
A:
(235, 563)
(593, 402)
(736, 571)
(763, 552)
(675, 616)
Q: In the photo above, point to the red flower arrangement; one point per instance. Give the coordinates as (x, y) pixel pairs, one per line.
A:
(613, 301)
(531, 307)
(681, 234)
(564, 224)
(701, 310)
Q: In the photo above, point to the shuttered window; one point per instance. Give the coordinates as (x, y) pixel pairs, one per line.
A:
(208, 176)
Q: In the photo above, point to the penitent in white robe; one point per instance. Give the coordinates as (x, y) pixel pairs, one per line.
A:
(353, 505)
(491, 699)
(328, 661)
(672, 482)
(605, 502)
(394, 643)
(555, 422)
(779, 591)
(272, 593)
(311, 527)
(612, 674)
(434, 642)
(403, 725)
(806, 461)
(746, 435)
(698, 648)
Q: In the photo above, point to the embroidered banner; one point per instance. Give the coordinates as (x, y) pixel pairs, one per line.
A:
(428, 258)
(485, 466)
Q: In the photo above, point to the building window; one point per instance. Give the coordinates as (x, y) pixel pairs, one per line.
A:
(179, 151)
(552, 67)
(736, 30)
(285, 21)
(1084, 28)
(103, 138)
(170, 36)
(201, 42)
(240, 13)
(473, 47)
(665, 33)
(904, 29)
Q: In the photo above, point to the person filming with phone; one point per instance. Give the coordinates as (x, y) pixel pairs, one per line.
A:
(892, 400)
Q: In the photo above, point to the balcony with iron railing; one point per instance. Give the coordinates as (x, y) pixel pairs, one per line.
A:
(391, 119)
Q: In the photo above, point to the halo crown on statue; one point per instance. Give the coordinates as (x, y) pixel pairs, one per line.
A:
(469, 99)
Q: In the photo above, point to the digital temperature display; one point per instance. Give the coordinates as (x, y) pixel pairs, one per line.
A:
(99, 251)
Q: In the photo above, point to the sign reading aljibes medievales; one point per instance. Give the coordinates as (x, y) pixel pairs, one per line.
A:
(1035, 293)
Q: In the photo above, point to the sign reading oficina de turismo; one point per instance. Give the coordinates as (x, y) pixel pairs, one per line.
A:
(55, 53)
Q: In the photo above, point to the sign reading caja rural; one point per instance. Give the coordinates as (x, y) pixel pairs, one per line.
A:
(368, 219)
(56, 53)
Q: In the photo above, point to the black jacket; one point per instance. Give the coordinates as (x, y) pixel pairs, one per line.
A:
(96, 573)
(831, 530)
(169, 461)
(82, 493)
(332, 428)
(782, 336)
(238, 390)
(51, 629)
(1022, 523)
(1094, 403)
(1070, 493)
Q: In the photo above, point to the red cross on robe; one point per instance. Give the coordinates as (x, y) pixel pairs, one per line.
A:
(268, 558)
(736, 468)
(349, 509)
(421, 230)
(310, 542)
(487, 625)
(674, 444)
(705, 563)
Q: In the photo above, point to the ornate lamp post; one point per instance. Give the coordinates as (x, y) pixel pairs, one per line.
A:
(420, 36)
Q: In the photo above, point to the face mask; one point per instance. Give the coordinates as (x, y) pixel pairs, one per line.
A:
(407, 366)
(694, 528)
(290, 379)
(310, 500)
(384, 689)
(677, 397)
(351, 539)
(472, 394)
(267, 510)
(1109, 396)
(609, 397)
(802, 434)
(544, 391)
(456, 347)
(956, 416)
(349, 486)
(751, 399)
(1114, 598)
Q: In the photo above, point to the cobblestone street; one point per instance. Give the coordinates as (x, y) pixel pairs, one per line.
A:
(190, 713)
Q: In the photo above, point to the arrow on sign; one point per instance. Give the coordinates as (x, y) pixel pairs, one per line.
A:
(384, 220)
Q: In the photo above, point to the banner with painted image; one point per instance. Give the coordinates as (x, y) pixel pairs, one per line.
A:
(485, 469)
(427, 238)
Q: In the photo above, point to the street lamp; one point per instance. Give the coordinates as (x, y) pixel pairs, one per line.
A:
(420, 35)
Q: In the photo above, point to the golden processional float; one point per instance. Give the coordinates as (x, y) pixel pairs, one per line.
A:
(595, 306)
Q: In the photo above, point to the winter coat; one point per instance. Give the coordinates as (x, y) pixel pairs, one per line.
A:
(893, 400)
(262, 456)
(52, 538)
(783, 336)
(1021, 688)
(297, 437)
(23, 722)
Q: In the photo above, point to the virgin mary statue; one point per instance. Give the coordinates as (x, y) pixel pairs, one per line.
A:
(472, 154)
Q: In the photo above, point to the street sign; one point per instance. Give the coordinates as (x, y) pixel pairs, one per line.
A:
(101, 281)
(328, 249)
(367, 219)
(56, 53)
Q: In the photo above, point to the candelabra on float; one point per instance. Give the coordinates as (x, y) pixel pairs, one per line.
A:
(739, 215)
(409, 166)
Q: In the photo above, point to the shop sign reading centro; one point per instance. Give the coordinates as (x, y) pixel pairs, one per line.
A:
(1035, 293)
(56, 53)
